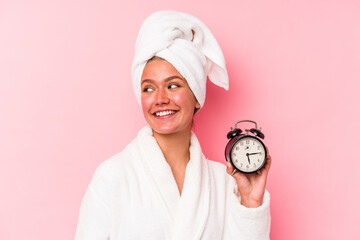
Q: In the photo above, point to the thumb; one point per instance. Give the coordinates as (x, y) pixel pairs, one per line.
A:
(229, 168)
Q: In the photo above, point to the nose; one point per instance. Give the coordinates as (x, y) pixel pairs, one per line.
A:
(162, 97)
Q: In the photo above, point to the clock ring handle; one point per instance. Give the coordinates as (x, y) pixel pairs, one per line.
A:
(246, 121)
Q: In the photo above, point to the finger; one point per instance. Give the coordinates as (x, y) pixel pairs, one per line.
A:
(229, 168)
(267, 149)
(268, 157)
(268, 163)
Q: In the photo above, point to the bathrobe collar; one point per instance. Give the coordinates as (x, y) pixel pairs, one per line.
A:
(185, 214)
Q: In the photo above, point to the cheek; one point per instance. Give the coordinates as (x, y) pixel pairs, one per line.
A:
(185, 99)
(145, 103)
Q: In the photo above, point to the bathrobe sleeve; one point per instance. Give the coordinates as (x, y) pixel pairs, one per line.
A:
(94, 217)
(247, 223)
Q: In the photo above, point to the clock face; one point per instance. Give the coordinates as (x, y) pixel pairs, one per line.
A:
(248, 154)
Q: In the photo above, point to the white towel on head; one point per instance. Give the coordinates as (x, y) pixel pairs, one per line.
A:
(186, 43)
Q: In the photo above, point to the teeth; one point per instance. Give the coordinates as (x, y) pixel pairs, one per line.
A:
(164, 113)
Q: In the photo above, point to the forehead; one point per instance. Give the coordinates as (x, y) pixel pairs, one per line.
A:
(159, 70)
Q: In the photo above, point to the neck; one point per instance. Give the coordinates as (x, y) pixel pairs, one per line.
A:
(175, 148)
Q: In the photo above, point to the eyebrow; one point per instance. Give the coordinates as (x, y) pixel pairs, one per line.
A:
(166, 79)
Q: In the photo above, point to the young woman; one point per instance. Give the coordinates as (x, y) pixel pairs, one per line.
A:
(161, 186)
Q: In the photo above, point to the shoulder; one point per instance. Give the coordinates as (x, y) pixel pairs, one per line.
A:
(217, 169)
(216, 166)
(116, 167)
(123, 166)
(219, 174)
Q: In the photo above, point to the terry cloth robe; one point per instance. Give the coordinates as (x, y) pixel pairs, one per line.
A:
(133, 195)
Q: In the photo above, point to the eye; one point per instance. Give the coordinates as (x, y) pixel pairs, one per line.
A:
(148, 89)
(173, 85)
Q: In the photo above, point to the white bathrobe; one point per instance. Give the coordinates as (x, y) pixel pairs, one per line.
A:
(133, 195)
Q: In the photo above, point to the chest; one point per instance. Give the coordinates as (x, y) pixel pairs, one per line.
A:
(140, 211)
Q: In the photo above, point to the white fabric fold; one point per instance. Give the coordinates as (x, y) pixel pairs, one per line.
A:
(186, 43)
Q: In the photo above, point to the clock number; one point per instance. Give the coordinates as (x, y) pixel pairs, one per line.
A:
(254, 165)
(258, 160)
(258, 147)
(237, 148)
(241, 164)
(247, 141)
(234, 154)
(253, 142)
(247, 166)
(242, 144)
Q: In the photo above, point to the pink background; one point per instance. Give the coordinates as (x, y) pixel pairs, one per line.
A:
(66, 105)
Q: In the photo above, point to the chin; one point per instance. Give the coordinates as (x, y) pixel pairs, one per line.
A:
(166, 130)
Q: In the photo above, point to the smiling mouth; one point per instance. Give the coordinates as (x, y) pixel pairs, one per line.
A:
(164, 113)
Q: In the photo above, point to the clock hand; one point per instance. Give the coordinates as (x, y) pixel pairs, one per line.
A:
(248, 157)
(254, 153)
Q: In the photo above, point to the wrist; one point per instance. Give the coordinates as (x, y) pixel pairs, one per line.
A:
(249, 203)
